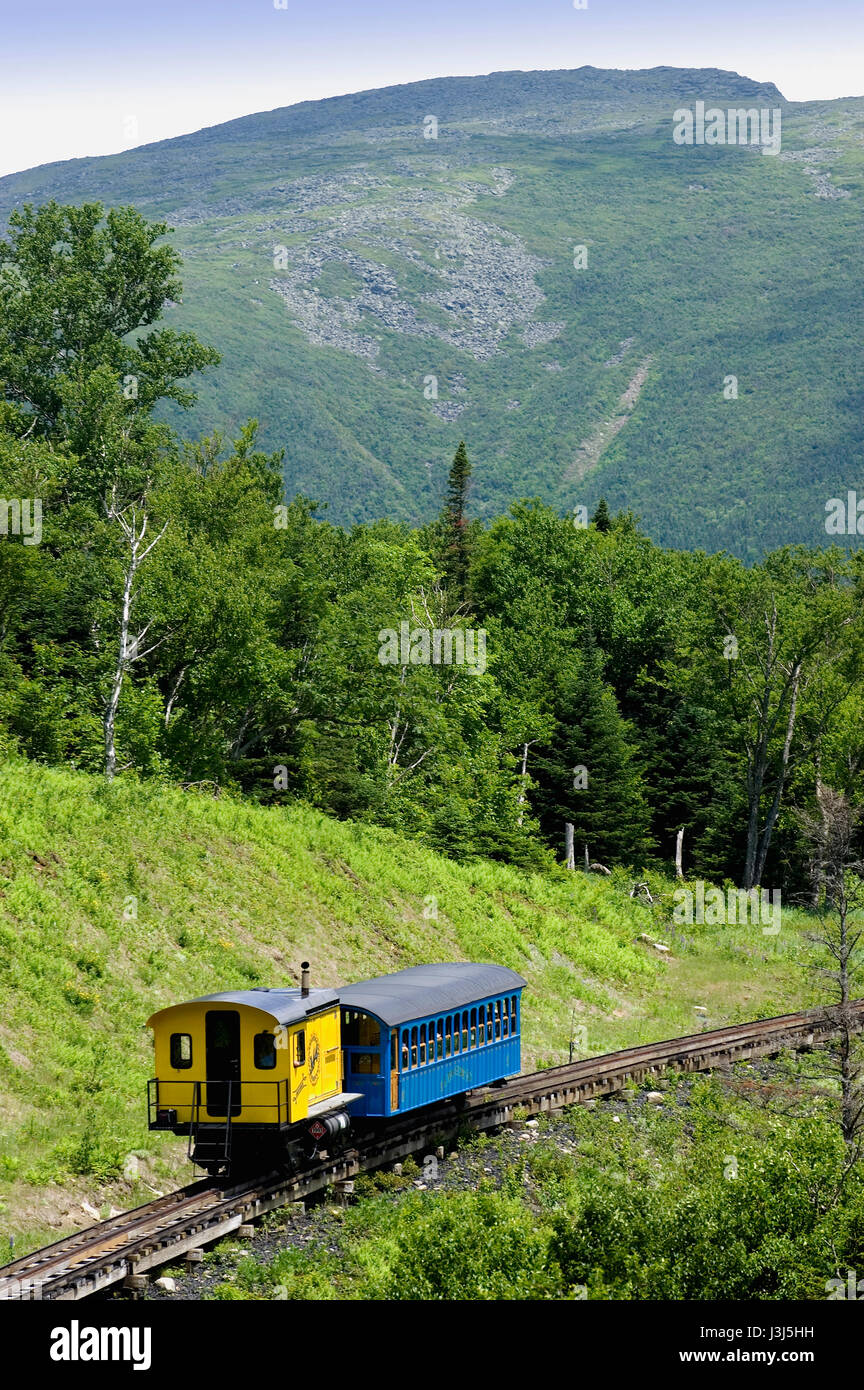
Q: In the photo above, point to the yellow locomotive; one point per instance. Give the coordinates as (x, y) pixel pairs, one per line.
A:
(237, 1068)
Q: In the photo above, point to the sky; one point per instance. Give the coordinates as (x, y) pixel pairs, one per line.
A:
(88, 77)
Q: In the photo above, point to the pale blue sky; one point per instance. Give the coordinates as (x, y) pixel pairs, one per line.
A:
(87, 77)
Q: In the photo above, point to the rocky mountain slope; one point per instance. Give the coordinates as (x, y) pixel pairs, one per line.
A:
(530, 261)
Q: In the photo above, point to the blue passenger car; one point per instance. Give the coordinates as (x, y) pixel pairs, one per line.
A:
(429, 1032)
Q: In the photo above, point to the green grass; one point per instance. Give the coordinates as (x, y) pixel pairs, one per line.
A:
(118, 900)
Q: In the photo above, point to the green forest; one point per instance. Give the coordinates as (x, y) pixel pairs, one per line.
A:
(166, 612)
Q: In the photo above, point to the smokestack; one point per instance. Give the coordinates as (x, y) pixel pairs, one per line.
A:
(304, 979)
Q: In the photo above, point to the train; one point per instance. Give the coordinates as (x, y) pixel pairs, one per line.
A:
(263, 1077)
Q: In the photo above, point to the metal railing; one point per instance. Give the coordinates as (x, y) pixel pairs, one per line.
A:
(192, 1097)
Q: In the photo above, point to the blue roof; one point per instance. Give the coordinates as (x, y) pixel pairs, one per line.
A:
(428, 989)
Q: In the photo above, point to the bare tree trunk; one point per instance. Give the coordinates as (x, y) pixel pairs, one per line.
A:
(524, 775)
(110, 717)
(832, 833)
(127, 651)
(780, 785)
(175, 691)
(679, 853)
(569, 856)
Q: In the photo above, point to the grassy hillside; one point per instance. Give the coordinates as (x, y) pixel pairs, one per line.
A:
(117, 900)
(405, 258)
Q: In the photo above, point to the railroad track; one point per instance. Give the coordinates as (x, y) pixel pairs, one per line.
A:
(123, 1249)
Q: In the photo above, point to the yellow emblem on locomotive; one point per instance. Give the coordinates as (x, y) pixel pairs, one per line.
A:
(314, 1058)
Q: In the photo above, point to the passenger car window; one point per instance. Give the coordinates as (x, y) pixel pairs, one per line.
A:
(181, 1051)
(265, 1051)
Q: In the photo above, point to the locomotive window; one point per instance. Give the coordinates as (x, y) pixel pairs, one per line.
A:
(181, 1051)
(422, 1044)
(265, 1051)
(300, 1048)
(365, 1063)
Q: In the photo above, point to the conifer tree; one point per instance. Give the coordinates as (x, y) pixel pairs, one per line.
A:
(587, 773)
(457, 546)
(601, 518)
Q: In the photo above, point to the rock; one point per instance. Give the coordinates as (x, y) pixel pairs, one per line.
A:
(532, 1124)
(655, 1097)
(131, 1167)
(165, 1283)
(616, 1119)
(90, 1211)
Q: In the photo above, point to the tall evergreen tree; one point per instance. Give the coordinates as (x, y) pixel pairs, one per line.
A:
(457, 544)
(587, 774)
(601, 518)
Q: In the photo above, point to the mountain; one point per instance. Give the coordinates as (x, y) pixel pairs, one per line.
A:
(389, 271)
